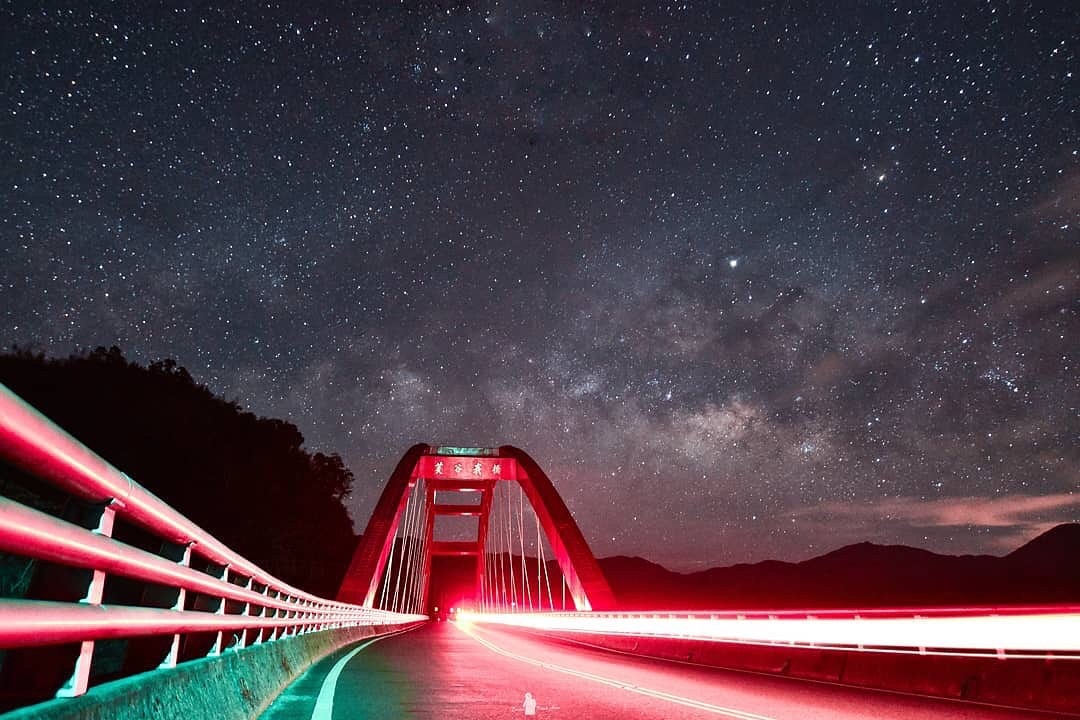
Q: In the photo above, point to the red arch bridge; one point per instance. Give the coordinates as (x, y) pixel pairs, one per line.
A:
(536, 629)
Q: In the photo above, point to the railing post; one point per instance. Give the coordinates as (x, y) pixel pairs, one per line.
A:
(80, 678)
(181, 595)
(274, 614)
(309, 617)
(245, 612)
(215, 649)
(263, 613)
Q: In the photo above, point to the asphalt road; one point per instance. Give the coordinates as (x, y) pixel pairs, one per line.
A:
(446, 671)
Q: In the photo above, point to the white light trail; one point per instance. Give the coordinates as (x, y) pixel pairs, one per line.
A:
(999, 635)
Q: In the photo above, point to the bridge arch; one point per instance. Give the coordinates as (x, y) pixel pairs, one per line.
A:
(477, 470)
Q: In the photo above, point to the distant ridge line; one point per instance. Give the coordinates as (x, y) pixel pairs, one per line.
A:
(865, 574)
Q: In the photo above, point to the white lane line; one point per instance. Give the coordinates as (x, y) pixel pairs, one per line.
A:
(324, 704)
(658, 694)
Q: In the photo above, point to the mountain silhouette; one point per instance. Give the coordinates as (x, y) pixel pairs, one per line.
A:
(1045, 570)
(1057, 548)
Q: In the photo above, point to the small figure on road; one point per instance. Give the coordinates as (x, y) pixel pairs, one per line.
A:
(529, 704)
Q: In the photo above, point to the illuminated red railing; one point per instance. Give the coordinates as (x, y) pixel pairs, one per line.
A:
(263, 607)
(1039, 631)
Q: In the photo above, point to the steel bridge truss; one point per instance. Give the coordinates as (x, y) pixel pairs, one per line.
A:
(399, 535)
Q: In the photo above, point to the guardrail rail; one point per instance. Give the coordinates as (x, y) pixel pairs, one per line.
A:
(239, 603)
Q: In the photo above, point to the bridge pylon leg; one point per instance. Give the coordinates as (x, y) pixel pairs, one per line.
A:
(486, 497)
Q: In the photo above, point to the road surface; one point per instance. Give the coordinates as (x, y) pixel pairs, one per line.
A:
(451, 672)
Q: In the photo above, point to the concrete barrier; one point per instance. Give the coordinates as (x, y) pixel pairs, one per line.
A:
(236, 685)
(1035, 684)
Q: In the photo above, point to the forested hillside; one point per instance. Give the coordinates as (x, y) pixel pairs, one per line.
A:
(246, 479)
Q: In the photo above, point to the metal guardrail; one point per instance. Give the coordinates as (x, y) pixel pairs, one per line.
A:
(263, 608)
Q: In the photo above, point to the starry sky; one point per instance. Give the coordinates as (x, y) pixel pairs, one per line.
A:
(747, 282)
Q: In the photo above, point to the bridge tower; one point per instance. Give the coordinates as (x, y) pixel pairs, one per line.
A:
(411, 496)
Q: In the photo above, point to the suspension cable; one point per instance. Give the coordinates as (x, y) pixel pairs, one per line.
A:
(512, 604)
(386, 574)
(414, 604)
(526, 586)
(508, 582)
(406, 553)
(413, 546)
(493, 539)
(543, 563)
(421, 524)
(410, 554)
(539, 562)
(401, 549)
(413, 585)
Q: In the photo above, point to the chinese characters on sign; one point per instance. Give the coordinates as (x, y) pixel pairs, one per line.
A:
(466, 468)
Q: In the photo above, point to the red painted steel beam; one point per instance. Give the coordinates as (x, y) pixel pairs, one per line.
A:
(429, 538)
(458, 485)
(584, 579)
(458, 510)
(361, 582)
(482, 530)
(31, 442)
(446, 547)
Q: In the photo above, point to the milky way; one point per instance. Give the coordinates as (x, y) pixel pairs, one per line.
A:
(747, 283)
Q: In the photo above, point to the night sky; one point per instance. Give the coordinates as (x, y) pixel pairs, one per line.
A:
(748, 283)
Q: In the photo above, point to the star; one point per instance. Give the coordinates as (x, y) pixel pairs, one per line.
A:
(517, 244)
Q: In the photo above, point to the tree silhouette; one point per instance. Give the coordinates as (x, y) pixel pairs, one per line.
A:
(247, 480)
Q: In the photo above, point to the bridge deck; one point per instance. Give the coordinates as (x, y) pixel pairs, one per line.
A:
(442, 671)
